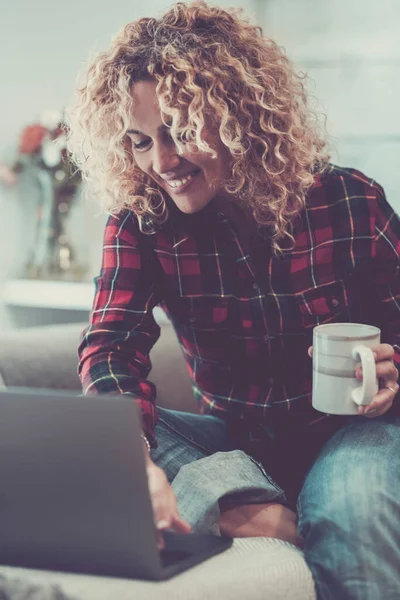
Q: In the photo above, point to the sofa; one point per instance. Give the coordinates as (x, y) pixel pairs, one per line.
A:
(253, 568)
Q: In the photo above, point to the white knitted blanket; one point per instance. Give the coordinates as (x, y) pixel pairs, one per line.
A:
(253, 568)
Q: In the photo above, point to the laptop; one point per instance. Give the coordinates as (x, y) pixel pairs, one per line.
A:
(74, 494)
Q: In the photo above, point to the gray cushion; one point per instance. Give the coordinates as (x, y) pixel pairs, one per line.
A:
(254, 569)
(47, 357)
(13, 588)
(41, 357)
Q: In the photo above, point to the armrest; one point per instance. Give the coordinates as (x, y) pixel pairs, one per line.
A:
(47, 357)
(41, 357)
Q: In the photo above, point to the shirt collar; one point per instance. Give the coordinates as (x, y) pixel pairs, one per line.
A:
(190, 224)
(206, 220)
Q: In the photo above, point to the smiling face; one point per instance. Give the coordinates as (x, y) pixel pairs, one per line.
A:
(191, 179)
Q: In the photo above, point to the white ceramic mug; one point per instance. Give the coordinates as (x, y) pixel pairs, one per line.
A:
(337, 348)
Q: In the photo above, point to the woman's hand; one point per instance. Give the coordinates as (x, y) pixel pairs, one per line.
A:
(387, 375)
(165, 510)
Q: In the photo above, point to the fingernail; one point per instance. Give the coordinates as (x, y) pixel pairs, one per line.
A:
(162, 524)
(375, 355)
(361, 410)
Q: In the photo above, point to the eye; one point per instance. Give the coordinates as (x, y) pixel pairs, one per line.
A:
(140, 144)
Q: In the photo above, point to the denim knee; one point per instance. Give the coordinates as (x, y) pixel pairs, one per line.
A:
(353, 478)
(349, 514)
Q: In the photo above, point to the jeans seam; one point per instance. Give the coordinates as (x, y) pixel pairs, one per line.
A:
(269, 479)
(185, 437)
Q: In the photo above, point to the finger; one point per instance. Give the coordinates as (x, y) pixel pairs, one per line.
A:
(162, 524)
(382, 401)
(163, 513)
(387, 371)
(310, 351)
(383, 352)
(378, 412)
(373, 412)
(179, 525)
(160, 540)
(163, 510)
(384, 370)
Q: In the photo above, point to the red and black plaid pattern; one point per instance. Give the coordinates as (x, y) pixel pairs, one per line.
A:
(244, 316)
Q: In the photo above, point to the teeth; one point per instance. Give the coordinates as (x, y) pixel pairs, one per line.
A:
(175, 183)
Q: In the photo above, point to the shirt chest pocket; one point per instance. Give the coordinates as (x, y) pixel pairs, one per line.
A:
(203, 314)
(203, 325)
(324, 304)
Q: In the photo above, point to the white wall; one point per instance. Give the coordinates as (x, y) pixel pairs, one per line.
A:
(350, 47)
(43, 45)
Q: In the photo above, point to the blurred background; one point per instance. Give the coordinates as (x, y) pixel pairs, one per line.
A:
(349, 48)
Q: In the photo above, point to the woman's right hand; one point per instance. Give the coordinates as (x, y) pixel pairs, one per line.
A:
(165, 509)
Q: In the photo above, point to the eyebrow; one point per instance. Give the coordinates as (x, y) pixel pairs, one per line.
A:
(161, 127)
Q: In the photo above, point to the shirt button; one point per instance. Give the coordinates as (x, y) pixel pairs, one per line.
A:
(335, 302)
(255, 286)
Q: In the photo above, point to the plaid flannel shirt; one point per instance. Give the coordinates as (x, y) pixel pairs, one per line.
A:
(243, 315)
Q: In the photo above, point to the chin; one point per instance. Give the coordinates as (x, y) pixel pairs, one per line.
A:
(189, 207)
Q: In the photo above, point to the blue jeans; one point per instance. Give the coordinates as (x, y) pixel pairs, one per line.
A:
(348, 502)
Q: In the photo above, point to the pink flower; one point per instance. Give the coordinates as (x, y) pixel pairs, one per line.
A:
(31, 139)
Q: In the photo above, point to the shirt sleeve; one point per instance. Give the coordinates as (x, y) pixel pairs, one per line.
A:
(384, 273)
(114, 350)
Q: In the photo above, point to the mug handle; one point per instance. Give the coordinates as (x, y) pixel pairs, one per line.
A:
(364, 394)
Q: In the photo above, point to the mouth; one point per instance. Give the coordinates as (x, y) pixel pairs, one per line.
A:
(178, 185)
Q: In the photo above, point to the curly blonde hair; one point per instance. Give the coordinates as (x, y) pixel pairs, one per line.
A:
(209, 63)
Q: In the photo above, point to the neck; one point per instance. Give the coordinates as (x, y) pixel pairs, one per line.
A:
(241, 215)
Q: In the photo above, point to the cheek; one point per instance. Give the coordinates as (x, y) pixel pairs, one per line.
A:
(215, 170)
(201, 160)
(190, 154)
(141, 163)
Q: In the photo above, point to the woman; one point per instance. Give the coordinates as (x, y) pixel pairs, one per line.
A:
(196, 132)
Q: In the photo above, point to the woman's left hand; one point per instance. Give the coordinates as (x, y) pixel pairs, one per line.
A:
(387, 375)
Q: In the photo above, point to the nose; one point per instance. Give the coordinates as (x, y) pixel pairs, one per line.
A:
(165, 158)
